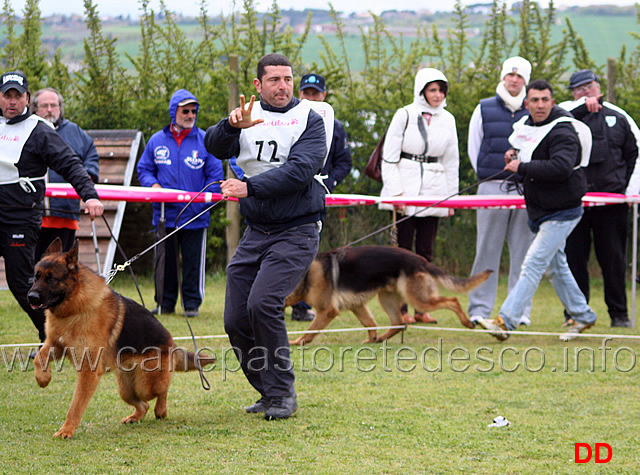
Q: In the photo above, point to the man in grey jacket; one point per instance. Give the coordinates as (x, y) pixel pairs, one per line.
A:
(61, 215)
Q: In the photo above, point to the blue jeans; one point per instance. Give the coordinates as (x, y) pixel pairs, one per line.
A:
(546, 253)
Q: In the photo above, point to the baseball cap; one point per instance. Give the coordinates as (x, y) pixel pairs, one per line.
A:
(187, 101)
(581, 77)
(312, 80)
(517, 65)
(14, 80)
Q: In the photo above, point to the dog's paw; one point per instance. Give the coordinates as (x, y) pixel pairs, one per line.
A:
(130, 419)
(64, 433)
(296, 342)
(43, 378)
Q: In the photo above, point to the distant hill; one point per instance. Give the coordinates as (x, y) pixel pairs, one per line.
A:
(605, 29)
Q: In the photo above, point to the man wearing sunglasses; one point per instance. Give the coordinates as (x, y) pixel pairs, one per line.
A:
(175, 157)
(612, 168)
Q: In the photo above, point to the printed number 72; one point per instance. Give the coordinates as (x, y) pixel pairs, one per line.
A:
(274, 145)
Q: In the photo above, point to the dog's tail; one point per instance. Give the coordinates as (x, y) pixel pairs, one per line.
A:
(457, 284)
(186, 360)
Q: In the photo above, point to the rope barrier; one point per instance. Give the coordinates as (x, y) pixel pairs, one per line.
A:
(401, 327)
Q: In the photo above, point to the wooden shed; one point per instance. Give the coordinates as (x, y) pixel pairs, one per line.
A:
(118, 151)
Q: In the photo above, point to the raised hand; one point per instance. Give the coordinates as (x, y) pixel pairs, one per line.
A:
(240, 117)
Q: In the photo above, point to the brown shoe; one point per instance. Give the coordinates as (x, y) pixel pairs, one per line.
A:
(425, 318)
(406, 318)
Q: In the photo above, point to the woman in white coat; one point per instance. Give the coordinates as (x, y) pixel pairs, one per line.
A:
(420, 157)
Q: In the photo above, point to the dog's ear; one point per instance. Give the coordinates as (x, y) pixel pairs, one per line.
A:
(54, 248)
(72, 256)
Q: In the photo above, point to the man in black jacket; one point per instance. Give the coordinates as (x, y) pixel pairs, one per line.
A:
(550, 150)
(28, 146)
(280, 144)
(613, 159)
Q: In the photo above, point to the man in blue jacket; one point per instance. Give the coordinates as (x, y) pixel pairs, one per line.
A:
(61, 215)
(280, 143)
(176, 157)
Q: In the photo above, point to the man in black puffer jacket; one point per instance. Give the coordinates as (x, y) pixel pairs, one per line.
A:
(550, 150)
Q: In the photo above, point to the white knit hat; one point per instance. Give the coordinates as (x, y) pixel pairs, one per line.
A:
(517, 65)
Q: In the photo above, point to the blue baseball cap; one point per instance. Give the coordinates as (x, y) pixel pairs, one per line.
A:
(581, 77)
(312, 80)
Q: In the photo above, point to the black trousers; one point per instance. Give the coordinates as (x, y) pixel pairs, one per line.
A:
(17, 246)
(48, 235)
(192, 245)
(424, 230)
(607, 225)
(263, 271)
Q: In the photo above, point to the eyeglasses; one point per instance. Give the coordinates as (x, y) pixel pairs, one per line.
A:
(48, 106)
(189, 111)
(583, 89)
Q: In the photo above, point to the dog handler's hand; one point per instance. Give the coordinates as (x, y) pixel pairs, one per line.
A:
(240, 117)
(233, 188)
(510, 155)
(512, 166)
(93, 208)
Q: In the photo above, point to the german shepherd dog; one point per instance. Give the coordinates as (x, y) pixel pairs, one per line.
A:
(104, 331)
(347, 278)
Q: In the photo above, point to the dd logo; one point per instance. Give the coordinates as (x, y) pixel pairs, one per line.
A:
(598, 458)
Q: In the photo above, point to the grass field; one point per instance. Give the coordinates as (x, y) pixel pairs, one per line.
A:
(363, 408)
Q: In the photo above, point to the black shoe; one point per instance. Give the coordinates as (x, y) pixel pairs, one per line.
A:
(163, 311)
(34, 353)
(261, 405)
(302, 314)
(281, 408)
(621, 322)
(191, 312)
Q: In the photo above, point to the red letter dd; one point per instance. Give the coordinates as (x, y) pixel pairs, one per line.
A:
(577, 458)
(609, 450)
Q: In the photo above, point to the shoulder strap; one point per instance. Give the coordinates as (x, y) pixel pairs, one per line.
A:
(423, 132)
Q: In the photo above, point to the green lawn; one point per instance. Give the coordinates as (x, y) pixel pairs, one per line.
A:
(363, 408)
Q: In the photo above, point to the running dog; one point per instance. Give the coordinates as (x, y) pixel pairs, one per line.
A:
(102, 331)
(347, 278)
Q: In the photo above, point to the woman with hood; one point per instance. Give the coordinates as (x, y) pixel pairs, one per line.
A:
(420, 157)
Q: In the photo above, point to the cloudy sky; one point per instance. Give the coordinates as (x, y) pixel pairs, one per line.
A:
(192, 7)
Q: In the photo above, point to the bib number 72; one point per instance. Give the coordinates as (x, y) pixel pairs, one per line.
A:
(274, 149)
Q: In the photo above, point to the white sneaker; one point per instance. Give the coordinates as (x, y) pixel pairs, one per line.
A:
(496, 327)
(524, 320)
(475, 319)
(574, 329)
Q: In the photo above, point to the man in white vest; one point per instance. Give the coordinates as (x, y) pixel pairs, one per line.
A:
(550, 151)
(29, 145)
(280, 144)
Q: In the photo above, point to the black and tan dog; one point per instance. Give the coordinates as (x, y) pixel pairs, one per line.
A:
(101, 331)
(347, 278)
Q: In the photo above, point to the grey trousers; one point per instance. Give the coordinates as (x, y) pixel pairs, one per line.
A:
(263, 271)
(495, 227)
